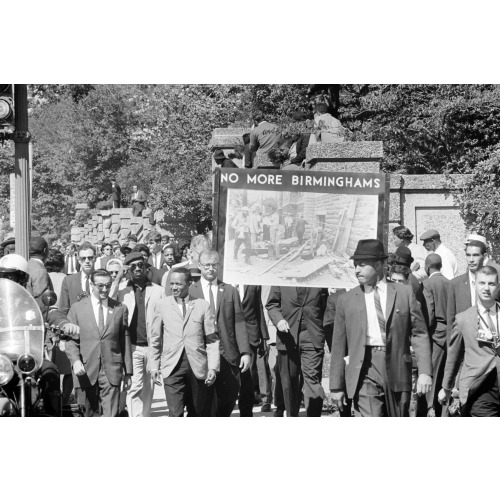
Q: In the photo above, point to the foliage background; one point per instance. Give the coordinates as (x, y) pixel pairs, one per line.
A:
(157, 136)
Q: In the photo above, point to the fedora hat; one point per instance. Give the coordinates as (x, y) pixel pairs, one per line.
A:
(403, 255)
(219, 155)
(369, 249)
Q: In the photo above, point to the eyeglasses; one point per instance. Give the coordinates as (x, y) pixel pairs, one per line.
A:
(86, 258)
(102, 286)
(208, 266)
(137, 265)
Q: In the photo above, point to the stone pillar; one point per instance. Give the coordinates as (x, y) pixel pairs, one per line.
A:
(226, 139)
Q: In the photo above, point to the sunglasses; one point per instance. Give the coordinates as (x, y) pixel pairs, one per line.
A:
(137, 265)
(86, 258)
(102, 286)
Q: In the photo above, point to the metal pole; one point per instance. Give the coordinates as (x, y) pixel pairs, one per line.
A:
(23, 192)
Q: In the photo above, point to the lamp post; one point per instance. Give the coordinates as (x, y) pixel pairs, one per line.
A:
(23, 193)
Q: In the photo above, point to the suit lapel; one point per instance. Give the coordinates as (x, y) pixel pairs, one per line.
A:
(220, 294)
(391, 299)
(90, 312)
(175, 306)
(129, 302)
(189, 310)
(108, 317)
(360, 306)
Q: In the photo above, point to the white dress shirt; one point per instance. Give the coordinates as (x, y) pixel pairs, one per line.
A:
(472, 285)
(419, 253)
(156, 259)
(95, 307)
(373, 336)
(450, 266)
(179, 304)
(205, 285)
(492, 312)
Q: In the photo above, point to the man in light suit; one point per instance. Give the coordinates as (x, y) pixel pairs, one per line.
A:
(185, 348)
(138, 201)
(436, 298)
(235, 348)
(265, 136)
(374, 325)
(102, 355)
(140, 296)
(462, 290)
(475, 341)
(76, 286)
(71, 264)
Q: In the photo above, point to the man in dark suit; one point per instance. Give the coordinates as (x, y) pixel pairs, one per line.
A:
(169, 260)
(76, 286)
(475, 341)
(255, 322)
(462, 290)
(116, 195)
(436, 298)
(235, 348)
(152, 273)
(71, 264)
(374, 325)
(103, 353)
(138, 201)
(297, 313)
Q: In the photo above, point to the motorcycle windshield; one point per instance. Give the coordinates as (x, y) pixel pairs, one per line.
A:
(21, 323)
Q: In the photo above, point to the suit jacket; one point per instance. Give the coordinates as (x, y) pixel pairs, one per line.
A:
(141, 197)
(302, 143)
(171, 334)
(478, 357)
(436, 298)
(459, 300)
(71, 287)
(112, 347)
(284, 303)
(254, 314)
(39, 281)
(264, 137)
(229, 321)
(66, 266)
(162, 262)
(102, 261)
(154, 293)
(404, 323)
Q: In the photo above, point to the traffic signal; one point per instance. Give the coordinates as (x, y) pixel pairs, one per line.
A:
(6, 110)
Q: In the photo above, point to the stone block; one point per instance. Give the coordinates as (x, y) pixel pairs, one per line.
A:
(345, 151)
(227, 137)
(352, 166)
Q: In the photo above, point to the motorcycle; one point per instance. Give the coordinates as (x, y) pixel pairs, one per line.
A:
(22, 369)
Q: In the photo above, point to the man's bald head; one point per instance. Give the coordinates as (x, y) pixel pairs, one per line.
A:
(433, 262)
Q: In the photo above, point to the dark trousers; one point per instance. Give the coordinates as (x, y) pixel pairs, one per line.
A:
(238, 242)
(183, 389)
(247, 392)
(306, 360)
(300, 236)
(100, 399)
(50, 389)
(227, 388)
(485, 401)
(438, 364)
(372, 397)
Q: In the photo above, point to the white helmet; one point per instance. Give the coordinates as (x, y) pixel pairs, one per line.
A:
(14, 262)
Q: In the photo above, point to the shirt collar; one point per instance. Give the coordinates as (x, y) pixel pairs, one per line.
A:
(204, 282)
(435, 272)
(472, 277)
(382, 286)
(95, 301)
(481, 309)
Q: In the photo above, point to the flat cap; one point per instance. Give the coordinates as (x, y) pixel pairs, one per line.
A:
(132, 256)
(430, 234)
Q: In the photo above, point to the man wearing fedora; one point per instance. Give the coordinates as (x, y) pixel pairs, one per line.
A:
(375, 325)
(432, 243)
(221, 160)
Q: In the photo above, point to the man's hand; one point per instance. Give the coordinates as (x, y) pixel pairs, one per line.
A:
(424, 384)
(127, 382)
(338, 398)
(245, 362)
(283, 326)
(78, 368)
(212, 375)
(71, 329)
(444, 396)
(155, 375)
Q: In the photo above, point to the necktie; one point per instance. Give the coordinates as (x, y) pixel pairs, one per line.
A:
(87, 285)
(101, 318)
(490, 322)
(380, 314)
(211, 298)
(183, 308)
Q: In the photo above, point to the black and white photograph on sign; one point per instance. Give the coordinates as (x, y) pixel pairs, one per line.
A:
(285, 238)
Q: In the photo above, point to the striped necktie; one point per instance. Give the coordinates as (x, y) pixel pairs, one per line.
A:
(380, 314)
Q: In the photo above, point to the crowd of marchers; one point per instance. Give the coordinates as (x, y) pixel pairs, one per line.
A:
(412, 339)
